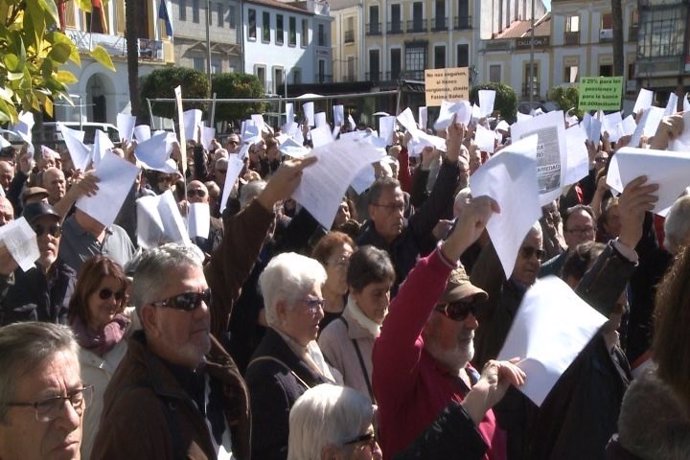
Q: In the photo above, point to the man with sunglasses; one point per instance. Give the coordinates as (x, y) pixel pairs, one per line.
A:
(177, 393)
(197, 192)
(422, 357)
(42, 396)
(43, 292)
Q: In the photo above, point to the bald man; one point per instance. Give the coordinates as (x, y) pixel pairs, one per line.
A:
(54, 181)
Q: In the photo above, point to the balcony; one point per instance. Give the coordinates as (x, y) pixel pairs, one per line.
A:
(323, 78)
(349, 78)
(632, 34)
(373, 77)
(394, 27)
(571, 38)
(416, 25)
(413, 75)
(439, 24)
(373, 28)
(526, 89)
(605, 35)
(462, 22)
(394, 75)
(349, 36)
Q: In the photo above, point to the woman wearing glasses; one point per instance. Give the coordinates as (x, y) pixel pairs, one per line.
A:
(101, 323)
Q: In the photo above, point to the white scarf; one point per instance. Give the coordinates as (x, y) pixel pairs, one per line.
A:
(360, 318)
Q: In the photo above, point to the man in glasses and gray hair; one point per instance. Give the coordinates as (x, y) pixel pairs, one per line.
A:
(42, 397)
(177, 393)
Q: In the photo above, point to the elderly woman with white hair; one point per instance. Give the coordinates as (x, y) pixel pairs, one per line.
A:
(288, 360)
(330, 421)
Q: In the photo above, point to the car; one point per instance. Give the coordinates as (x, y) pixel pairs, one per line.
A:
(48, 133)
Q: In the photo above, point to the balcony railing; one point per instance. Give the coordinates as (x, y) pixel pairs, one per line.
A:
(394, 75)
(571, 38)
(632, 34)
(605, 35)
(349, 36)
(323, 78)
(438, 24)
(413, 75)
(373, 28)
(462, 22)
(526, 89)
(416, 25)
(373, 77)
(395, 27)
(349, 78)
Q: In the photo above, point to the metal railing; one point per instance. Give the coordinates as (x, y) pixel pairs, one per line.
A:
(373, 28)
(416, 25)
(349, 36)
(571, 38)
(394, 75)
(462, 22)
(394, 27)
(438, 24)
(413, 75)
(373, 77)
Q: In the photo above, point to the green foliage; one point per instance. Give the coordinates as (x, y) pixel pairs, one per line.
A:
(566, 98)
(506, 99)
(32, 52)
(240, 86)
(161, 83)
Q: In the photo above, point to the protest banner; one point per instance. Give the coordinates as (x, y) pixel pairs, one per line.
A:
(446, 85)
(600, 93)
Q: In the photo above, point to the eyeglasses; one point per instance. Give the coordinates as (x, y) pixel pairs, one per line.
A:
(196, 192)
(601, 159)
(233, 142)
(53, 230)
(106, 294)
(313, 304)
(187, 301)
(50, 409)
(341, 262)
(527, 252)
(368, 438)
(457, 311)
(580, 230)
(391, 207)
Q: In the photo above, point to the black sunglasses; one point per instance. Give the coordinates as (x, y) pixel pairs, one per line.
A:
(187, 301)
(457, 311)
(53, 230)
(527, 252)
(197, 192)
(106, 294)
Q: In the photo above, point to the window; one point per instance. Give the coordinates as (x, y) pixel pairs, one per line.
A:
(297, 76)
(495, 73)
(199, 63)
(374, 27)
(351, 68)
(322, 35)
(374, 74)
(631, 71)
(278, 80)
(266, 27)
(221, 11)
(661, 32)
(216, 65)
(417, 16)
(463, 8)
(396, 19)
(415, 60)
(607, 21)
(322, 71)
(195, 11)
(260, 72)
(396, 63)
(350, 31)
(251, 19)
(463, 56)
(531, 80)
(440, 15)
(571, 73)
(605, 70)
(183, 10)
(304, 38)
(280, 32)
(231, 16)
(439, 57)
(572, 24)
(292, 31)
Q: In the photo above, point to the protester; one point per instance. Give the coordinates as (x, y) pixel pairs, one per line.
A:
(42, 396)
(578, 227)
(333, 251)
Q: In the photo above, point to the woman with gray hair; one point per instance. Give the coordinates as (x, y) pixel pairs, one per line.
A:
(330, 421)
(288, 360)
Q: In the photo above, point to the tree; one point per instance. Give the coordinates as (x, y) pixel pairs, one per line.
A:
(33, 51)
(566, 98)
(133, 11)
(161, 83)
(237, 85)
(506, 99)
(617, 17)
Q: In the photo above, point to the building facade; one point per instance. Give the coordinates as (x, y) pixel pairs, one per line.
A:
(100, 94)
(347, 36)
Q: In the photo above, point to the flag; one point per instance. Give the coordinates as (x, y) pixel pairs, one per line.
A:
(164, 14)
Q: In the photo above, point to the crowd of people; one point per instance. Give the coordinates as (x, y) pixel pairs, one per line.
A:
(275, 338)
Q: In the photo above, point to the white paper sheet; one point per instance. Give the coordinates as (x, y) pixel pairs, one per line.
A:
(406, 120)
(308, 109)
(116, 177)
(199, 220)
(671, 105)
(639, 129)
(656, 114)
(235, 165)
(510, 178)
(101, 144)
(423, 117)
(671, 170)
(686, 103)
(293, 149)
(46, 152)
(523, 117)
(339, 115)
(207, 135)
(629, 125)
(142, 133)
(323, 184)
(644, 100)
(551, 152)
(259, 122)
(387, 129)
(24, 126)
(610, 122)
(462, 109)
(80, 153)
(487, 97)
(289, 112)
(682, 143)
(484, 138)
(320, 119)
(20, 240)
(363, 179)
(155, 152)
(425, 140)
(578, 157)
(181, 129)
(321, 136)
(192, 121)
(125, 125)
(548, 335)
(351, 122)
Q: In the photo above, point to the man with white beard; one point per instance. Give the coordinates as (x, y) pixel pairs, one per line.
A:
(421, 359)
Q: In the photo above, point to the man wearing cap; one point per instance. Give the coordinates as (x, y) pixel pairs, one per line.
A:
(34, 195)
(421, 359)
(43, 292)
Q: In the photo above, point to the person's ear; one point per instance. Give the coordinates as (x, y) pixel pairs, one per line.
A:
(330, 452)
(149, 320)
(281, 310)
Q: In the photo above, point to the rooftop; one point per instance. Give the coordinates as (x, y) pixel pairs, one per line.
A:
(519, 29)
